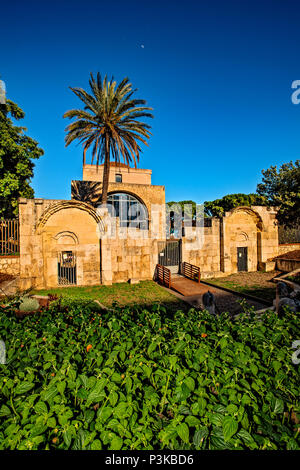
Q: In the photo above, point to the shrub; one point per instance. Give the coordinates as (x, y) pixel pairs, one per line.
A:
(151, 380)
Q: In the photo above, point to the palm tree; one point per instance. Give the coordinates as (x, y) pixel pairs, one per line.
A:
(108, 123)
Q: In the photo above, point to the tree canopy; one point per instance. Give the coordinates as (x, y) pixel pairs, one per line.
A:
(281, 187)
(189, 206)
(16, 154)
(218, 207)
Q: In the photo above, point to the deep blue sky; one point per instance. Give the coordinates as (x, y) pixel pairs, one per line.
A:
(217, 73)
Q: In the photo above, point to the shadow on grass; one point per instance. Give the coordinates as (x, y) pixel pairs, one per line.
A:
(264, 293)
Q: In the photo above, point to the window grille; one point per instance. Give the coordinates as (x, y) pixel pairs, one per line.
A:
(131, 212)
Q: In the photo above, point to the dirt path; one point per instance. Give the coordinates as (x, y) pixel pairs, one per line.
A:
(192, 292)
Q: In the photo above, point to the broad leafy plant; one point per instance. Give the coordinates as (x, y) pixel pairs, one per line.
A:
(77, 377)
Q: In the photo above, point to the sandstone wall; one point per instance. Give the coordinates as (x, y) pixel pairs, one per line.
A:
(285, 248)
(129, 175)
(10, 265)
(201, 247)
(214, 249)
(105, 253)
(151, 196)
(49, 227)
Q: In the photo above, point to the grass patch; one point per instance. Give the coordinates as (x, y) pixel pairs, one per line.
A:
(256, 284)
(144, 294)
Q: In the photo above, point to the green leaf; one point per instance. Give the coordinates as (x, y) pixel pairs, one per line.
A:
(105, 413)
(232, 409)
(4, 411)
(151, 348)
(180, 346)
(97, 394)
(190, 383)
(122, 410)
(192, 421)
(223, 343)
(50, 393)
(82, 440)
(247, 438)
(61, 387)
(113, 398)
(230, 427)
(51, 422)
(116, 377)
(41, 407)
(276, 365)
(116, 443)
(23, 387)
(216, 419)
(173, 360)
(254, 369)
(279, 406)
(202, 405)
(84, 380)
(200, 435)
(183, 432)
(96, 445)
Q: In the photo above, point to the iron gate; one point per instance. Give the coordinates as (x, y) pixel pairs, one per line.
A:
(66, 266)
(169, 253)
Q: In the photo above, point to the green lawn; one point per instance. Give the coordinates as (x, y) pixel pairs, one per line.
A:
(145, 293)
(258, 283)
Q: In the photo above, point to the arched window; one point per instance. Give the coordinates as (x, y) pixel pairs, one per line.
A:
(131, 212)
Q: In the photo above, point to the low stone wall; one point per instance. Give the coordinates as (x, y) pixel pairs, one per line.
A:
(287, 265)
(285, 248)
(10, 265)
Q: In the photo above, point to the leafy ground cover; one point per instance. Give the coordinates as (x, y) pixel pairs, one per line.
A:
(257, 283)
(78, 377)
(145, 293)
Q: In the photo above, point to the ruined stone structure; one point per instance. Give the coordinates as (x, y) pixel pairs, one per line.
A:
(245, 239)
(76, 242)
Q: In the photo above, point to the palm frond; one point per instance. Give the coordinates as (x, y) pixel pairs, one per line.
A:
(109, 124)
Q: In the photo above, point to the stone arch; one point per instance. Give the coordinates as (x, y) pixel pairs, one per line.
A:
(70, 236)
(256, 216)
(61, 205)
(124, 191)
(242, 237)
(243, 228)
(138, 198)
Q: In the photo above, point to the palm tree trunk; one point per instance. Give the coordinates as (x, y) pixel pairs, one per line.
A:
(106, 171)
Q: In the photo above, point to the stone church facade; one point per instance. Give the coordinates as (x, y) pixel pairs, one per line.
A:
(77, 242)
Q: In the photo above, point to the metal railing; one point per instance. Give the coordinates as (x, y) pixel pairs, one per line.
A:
(66, 266)
(191, 271)
(9, 236)
(163, 275)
